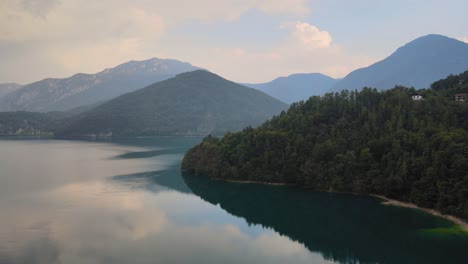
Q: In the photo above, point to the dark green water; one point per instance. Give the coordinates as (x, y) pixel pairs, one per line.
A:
(127, 202)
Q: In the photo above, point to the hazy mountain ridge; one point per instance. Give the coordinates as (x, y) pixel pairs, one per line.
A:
(296, 87)
(416, 64)
(7, 88)
(197, 102)
(84, 89)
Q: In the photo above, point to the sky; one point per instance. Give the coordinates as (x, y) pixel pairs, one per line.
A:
(244, 41)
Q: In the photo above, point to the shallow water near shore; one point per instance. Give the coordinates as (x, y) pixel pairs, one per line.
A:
(127, 202)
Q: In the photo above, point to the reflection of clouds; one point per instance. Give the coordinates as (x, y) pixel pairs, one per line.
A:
(101, 222)
(61, 208)
(54, 163)
(107, 211)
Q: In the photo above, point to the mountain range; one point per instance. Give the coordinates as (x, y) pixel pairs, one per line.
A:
(192, 103)
(416, 64)
(7, 88)
(296, 87)
(85, 89)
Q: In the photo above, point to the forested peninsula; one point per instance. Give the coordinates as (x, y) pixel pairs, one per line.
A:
(381, 142)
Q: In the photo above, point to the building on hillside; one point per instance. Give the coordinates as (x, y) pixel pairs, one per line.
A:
(417, 97)
(462, 97)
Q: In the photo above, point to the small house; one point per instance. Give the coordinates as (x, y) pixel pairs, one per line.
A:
(462, 97)
(417, 97)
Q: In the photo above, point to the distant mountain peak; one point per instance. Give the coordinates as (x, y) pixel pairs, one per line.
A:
(296, 87)
(192, 103)
(198, 72)
(85, 89)
(432, 37)
(432, 41)
(415, 64)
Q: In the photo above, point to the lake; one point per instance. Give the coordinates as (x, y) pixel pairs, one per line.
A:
(127, 202)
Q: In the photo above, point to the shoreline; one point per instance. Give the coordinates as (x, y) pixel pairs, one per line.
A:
(387, 201)
(391, 202)
(256, 182)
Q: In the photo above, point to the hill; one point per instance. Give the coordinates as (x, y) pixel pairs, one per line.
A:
(86, 89)
(416, 64)
(30, 123)
(362, 142)
(6, 88)
(193, 103)
(296, 87)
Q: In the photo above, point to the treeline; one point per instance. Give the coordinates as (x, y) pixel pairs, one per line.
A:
(192, 103)
(23, 123)
(363, 142)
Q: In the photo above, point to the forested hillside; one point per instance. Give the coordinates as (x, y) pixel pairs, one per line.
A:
(29, 123)
(363, 142)
(192, 103)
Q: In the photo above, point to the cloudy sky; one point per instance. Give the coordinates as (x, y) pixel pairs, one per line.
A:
(245, 41)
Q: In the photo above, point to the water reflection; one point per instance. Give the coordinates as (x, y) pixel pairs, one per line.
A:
(104, 209)
(169, 178)
(344, 228)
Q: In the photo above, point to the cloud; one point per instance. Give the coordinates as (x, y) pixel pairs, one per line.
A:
(56, 38)
(38, 7)
(308, 35)
(304, 48)
(70, 38)
(226, 10)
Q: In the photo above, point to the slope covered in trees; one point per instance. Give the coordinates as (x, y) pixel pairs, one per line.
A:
(363, 142)
(192, 103)
(29, 123)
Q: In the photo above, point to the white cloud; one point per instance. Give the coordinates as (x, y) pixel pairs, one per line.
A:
(308, 35)
(56, 38)
(305, 48)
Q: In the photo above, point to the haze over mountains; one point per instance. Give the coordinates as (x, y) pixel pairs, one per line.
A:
(192, 103)
(416, 64)
(6, 88)
(84, 89)
(296, 87)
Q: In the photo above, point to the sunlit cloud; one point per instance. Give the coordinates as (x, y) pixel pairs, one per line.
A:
(56, 38)
(308, 35)
(304, 49)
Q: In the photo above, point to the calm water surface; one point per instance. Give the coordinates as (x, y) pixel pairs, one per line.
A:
(127, 202)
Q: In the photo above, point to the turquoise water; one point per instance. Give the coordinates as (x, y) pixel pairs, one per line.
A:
(127, 202)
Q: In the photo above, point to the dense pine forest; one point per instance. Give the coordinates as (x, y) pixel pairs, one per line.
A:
(370, 141)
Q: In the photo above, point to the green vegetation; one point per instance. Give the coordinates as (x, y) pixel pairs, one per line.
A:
(454, 230)
(363, 142)
(193, 103)
(29, 123)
